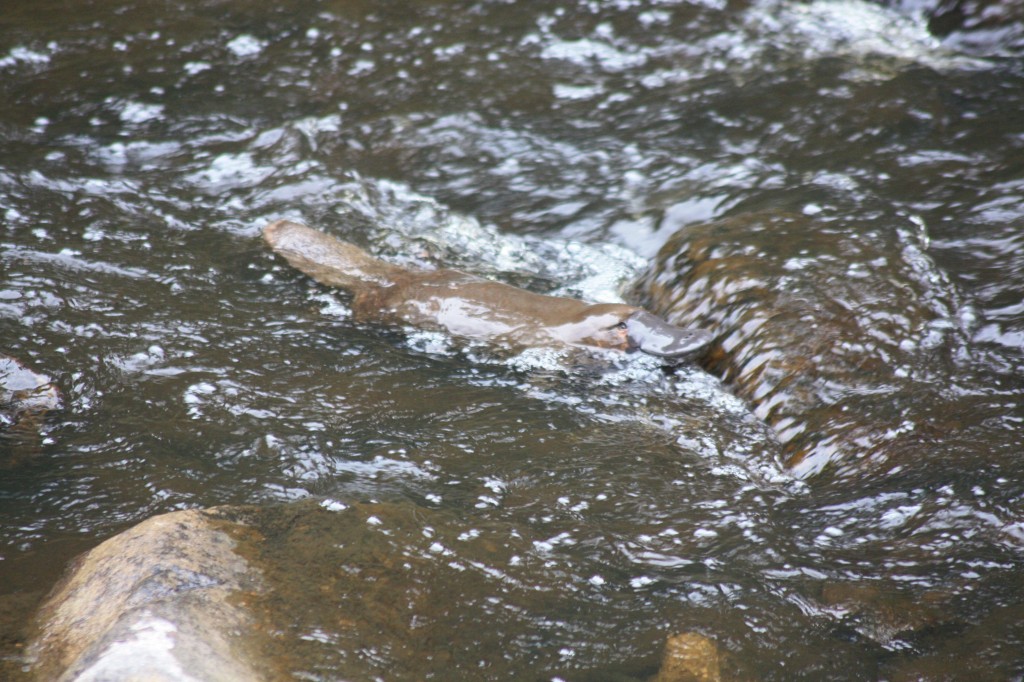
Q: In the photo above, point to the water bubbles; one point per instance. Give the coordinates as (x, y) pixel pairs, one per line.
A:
(19, 55)
(539, 359)
(495, 485)
(649, 18)
(577, 92)
(245, 45)
(196, 68)
(333, 505)
(548, 546)
(585, 52)
(230, 170)
(143, 361)
(196, 396)
(362, 66)
(431, 343)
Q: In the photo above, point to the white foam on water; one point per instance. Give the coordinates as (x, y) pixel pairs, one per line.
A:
(140, 112)
(591, 272)
(586, 51)
(24, 55)
(246, 45)
(856, 28)
(235, 170)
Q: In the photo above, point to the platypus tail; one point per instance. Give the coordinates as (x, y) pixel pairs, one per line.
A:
(327, 259)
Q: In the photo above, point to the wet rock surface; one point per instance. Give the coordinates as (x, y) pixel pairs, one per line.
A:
(24, 394)
(26, 398)
(163, 601)
(842, 334)
(690, 657)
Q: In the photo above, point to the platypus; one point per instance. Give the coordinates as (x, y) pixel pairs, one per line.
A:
(471, 307)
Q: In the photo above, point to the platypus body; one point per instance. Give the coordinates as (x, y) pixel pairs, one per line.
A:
(471, 307)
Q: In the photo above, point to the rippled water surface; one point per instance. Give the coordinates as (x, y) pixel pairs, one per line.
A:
(558, 146)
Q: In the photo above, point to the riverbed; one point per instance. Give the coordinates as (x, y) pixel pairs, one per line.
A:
(557, 146)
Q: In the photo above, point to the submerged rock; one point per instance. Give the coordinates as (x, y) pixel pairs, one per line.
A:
(333, 590)
(165, 600)
(689, 657)
(24, 394)
(843, 337)
(26, 397)
(883, 613)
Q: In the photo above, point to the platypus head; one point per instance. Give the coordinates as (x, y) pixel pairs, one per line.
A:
(630, 328)
(652, 335)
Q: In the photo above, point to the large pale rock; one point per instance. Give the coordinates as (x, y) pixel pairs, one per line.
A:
(162, 601)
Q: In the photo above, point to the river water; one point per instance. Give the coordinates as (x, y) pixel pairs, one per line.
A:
(559, 146)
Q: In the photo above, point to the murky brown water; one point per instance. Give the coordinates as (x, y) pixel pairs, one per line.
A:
(143, 145)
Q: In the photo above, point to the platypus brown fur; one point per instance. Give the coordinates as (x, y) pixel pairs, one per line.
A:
(468, 306)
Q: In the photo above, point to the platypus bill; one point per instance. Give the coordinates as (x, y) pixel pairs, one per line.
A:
(468, 306)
